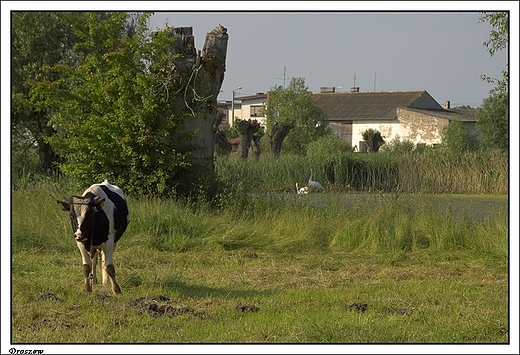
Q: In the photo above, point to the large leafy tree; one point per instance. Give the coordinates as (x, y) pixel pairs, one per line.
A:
(113, 107)
(293, 118)
(493, 115)
(38, 40)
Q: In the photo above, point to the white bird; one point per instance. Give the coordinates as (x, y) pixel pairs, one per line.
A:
(302, 190)
(314, 184)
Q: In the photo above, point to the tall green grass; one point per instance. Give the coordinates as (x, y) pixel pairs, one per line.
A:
(409, 172)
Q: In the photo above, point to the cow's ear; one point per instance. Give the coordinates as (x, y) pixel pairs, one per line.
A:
(99, 203)
(63, 205)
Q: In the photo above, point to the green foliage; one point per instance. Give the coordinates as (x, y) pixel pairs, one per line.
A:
(398, 146)
(498, 37)
(39, 40)
(294, 106)
(493, 115)
(498, 40)
(327, 147)
(457, 140)
(493, 121)
(373, 139)
(113, 107)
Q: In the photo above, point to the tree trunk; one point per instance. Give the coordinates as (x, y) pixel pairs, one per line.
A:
(222, 145)
(201, 77)
(47, 158)
(256, 146)
(246, 129)
(276, 137)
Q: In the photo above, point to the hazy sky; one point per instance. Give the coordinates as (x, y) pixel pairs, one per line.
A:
(441, 52)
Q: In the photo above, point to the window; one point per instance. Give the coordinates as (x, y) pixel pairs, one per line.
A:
(256, 111)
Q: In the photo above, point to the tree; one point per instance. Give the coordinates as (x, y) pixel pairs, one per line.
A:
(457, 139)
(247, 130)
(39, 40)
(373, 139)
(112, 113)
(291, 113)
(493, 115)
(493, 121)
(498, 40)
(136, 109)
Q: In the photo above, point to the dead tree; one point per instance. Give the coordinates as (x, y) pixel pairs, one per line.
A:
(198, 77)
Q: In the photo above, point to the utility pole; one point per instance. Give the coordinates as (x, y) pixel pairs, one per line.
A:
(233, 106)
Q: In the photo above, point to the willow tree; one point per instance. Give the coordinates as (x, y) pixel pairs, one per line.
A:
(290, 112)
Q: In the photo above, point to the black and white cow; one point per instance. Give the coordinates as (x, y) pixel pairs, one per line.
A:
(99, 217)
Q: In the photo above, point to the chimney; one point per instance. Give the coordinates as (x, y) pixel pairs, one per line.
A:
(327, 89)
(354, 89)
(446, 105)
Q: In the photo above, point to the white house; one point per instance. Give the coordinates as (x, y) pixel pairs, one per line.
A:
(406, 115)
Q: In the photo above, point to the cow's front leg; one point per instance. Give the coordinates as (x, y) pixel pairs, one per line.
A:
(87, 267)
(87, 272)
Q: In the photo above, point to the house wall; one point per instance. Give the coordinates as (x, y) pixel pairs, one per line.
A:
(420, 128)
(413, 126)
(387, 129)
(238, 112)
(342, 130)
(251, 107)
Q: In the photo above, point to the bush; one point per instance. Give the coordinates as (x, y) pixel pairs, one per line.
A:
(328, 146)
(398, 146)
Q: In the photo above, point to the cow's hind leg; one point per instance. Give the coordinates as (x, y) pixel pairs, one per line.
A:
(111, 271)
(94, 265)
(108, 267)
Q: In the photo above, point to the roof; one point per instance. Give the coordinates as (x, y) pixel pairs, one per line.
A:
(258, 95)
(371, 105)
(466, 114)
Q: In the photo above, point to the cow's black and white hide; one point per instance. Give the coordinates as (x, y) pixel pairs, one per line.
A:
(99, 217)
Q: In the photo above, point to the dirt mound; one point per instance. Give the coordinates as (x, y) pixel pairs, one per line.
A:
(247, 308)
(48, 296)
(159, 306)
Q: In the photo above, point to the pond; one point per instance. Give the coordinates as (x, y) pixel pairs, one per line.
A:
(475, 206)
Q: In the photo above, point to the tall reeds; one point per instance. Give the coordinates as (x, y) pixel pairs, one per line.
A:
(409, 172)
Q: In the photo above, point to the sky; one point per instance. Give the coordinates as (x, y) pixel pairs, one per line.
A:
(440, 52)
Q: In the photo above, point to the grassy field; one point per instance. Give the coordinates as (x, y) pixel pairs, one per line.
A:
(267, 268)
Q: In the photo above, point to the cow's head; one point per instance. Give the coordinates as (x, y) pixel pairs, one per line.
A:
(81, 211)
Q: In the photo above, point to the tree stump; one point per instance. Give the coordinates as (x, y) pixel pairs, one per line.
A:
(199, 77)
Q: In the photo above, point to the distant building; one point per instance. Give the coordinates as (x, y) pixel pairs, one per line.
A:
(406, 115)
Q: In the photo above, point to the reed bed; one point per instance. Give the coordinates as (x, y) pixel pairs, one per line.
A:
(410, 172)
